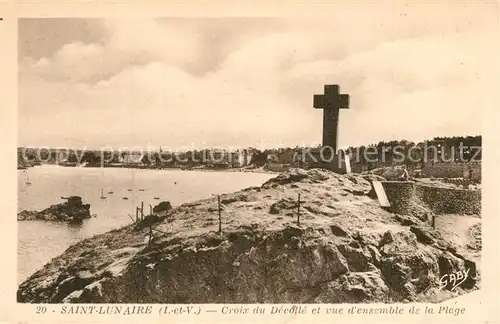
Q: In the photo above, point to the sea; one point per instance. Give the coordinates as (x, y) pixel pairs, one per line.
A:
(40, 241)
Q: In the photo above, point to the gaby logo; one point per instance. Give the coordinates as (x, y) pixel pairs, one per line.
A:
(454, 279)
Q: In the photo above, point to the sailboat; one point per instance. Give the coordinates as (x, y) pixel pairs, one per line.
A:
(28, 182)
(102, 195)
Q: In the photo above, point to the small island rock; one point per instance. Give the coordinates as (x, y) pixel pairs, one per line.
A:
(72, 210)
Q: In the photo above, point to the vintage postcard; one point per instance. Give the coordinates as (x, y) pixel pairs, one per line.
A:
(320, 163)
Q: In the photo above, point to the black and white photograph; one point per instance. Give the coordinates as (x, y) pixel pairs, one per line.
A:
(332, 159)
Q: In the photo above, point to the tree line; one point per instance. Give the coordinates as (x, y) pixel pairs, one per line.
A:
(385, 152)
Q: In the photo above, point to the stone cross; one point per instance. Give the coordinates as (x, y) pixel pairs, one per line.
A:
(331, 102)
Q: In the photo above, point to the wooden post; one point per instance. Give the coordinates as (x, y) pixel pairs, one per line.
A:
(434, 221)
(298, 210)
(220, 218)
(150, 209)
(136, 214)
(142, 210)
(150, 234)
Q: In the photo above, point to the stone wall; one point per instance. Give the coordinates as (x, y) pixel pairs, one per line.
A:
(443, 171)
(403, 195)
(400, 195)
(460, 182)
(452, 170)
(450, 201)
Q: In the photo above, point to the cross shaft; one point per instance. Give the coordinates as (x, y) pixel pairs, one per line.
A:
(331, 102)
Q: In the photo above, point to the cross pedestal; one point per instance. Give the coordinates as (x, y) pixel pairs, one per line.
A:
(331, 102)
(338, 163)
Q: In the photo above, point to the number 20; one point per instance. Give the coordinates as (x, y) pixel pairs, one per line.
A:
(41, 309)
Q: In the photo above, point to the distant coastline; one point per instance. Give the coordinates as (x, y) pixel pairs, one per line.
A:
(439, 150)
(204, 169)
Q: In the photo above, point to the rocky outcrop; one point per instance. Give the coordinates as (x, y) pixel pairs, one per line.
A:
(162, 207)
(391, 173)
(72, 210)
(345, 250)
(22, 165)
(22, 162)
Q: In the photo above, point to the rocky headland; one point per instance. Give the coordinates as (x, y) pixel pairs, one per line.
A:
(346, 249)
(72, 210)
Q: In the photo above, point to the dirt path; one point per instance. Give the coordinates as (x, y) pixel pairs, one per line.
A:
(463, 231)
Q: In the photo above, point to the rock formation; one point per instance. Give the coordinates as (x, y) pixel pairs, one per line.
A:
(346, 250)
(162, 207)
(72, 210)
(22, 162)
(390, 173)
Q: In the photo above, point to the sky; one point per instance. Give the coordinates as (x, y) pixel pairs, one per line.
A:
(412, 72)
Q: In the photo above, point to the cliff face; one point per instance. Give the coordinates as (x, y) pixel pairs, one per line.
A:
(346, 249)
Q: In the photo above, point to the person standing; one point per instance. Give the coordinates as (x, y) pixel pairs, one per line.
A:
(405, 176)
(471, 173)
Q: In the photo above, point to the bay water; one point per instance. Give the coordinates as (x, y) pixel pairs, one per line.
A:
(40, 241)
